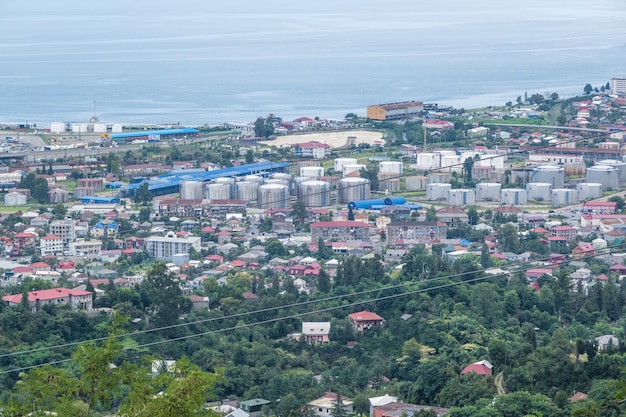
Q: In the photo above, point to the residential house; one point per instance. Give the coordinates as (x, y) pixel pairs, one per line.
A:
(253, 407)
(76, 299)
(606, 342)
(164, 247)
(567, 232)
(365, 320)
(582, 250)
(483, 367)
(325, 405)
(51, 245)
(316, 332)
(452, 216)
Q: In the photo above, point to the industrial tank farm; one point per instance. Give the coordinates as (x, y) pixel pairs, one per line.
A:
(550, 174)
(246, 191)
(191, 190)
(273, 196)
(217, 191)
(351, 189)
(538, 191)
(488, 191)
(606, 175)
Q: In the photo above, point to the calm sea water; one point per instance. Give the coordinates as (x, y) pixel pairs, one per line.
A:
(195, 62)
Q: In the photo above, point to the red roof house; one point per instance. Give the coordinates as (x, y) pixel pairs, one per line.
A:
(481, 368)
(365, 320)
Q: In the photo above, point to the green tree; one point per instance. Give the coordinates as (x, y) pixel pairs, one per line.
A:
(587, 89)
(431, 214)
(40, 190)
(485, 257)
(144, 214)
(472, 216)
(298, 212)
(619, 200)
(113, 163)
(59, 211)
(323, 282)
(249, 156)
(165, 294)
(350, 214)
(509, 239)
(143, 195)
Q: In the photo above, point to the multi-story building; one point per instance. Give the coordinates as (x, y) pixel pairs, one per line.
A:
(315, 332)
(567, 232)
(618, 85)
(395, 111)
(164, 247)
(341, 230)
(89, 248)
(51, 245)
(422, 232)
(76, 299)
(326, 404)
(312, 149)
(65, 229)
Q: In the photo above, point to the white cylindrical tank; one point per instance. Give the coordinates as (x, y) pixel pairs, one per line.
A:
(439, 177)
(340, 162)
(277, 181)
(295, 185)
(57, 127)
(116, 128)
(246, 191)
(564, 196)
(488, 191)
(315, 193)
(604, 174)
(281, 176)
(230, 181)
(461, 197)
(79, 127)
(272, 196)
(394, 167)
(217, 191)
(353, 189)
(312, 172)
(539, 191)
(513, 197)
(551, 174)
(588, 191)
(191, 190)
(619, 165)
(14, 199)
(437, 191)
(416, 183)
(80, 192)
(347, 169)
(99, 128)
(257, 179)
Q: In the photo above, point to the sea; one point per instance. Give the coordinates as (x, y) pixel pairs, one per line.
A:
(196, 62)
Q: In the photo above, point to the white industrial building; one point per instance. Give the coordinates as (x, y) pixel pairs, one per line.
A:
(162, 248)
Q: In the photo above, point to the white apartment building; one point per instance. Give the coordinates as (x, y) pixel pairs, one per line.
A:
(618, 85)
(51, 245)
(65, 229)
(90, 248)
(162, 248)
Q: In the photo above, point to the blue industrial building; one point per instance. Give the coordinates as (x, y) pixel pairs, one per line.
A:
(377, 204)
(155, 135)
(170, 183)
(92, 199)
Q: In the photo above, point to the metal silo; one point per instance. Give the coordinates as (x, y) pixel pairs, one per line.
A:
(550, 174)
(191, 190)
(312, 172)
(217, 191)
(354, 189)
(230, 181)
(588, 191)
(488, 191)
(340, 162)
(394, 167)
(246, 191)
(415, 183)
(14, 199)
(257, 179)
(461, 197)
(605, 175)
(513, 197)
(272, 196)
(564, 196)
(315, 193)
(619, 165)
(437, 191)
(80, 192)
(281, 176)
(539, 191)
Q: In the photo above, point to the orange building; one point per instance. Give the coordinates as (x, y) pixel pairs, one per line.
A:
(395, 111)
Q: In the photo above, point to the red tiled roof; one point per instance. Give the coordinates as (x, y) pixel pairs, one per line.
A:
(339, 224)
(477, 368)
(43, 295)
(365, 315)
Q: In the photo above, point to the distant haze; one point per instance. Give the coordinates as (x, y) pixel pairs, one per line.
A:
(198, 62)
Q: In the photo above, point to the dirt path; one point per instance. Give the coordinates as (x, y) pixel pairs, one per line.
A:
(499, 381)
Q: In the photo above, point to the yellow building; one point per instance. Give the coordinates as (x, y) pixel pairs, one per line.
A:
(394, 111)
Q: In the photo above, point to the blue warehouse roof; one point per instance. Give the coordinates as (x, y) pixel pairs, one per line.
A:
(154, 132)
(169, 183)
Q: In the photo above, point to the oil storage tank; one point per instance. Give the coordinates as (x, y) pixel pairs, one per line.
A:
(393, 167)
(461, 197)
(257, 179)
(191, 190)
(246, 191)
(619, 165)
(488, 191)
(230, 181)
(415, 183)
(350, 168)
(354, 189)
(552, 174)
(539, 191)
(14, 199)
(273, 196)
(513, 197)
(437, 191)
(603, 174)
(439, 177)
(564, 196)
(217, 191)
(312, 172)
(315, 193)
(340, 162)
(588, 191)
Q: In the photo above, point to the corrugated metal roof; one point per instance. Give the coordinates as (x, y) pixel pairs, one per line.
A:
(154, 132)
